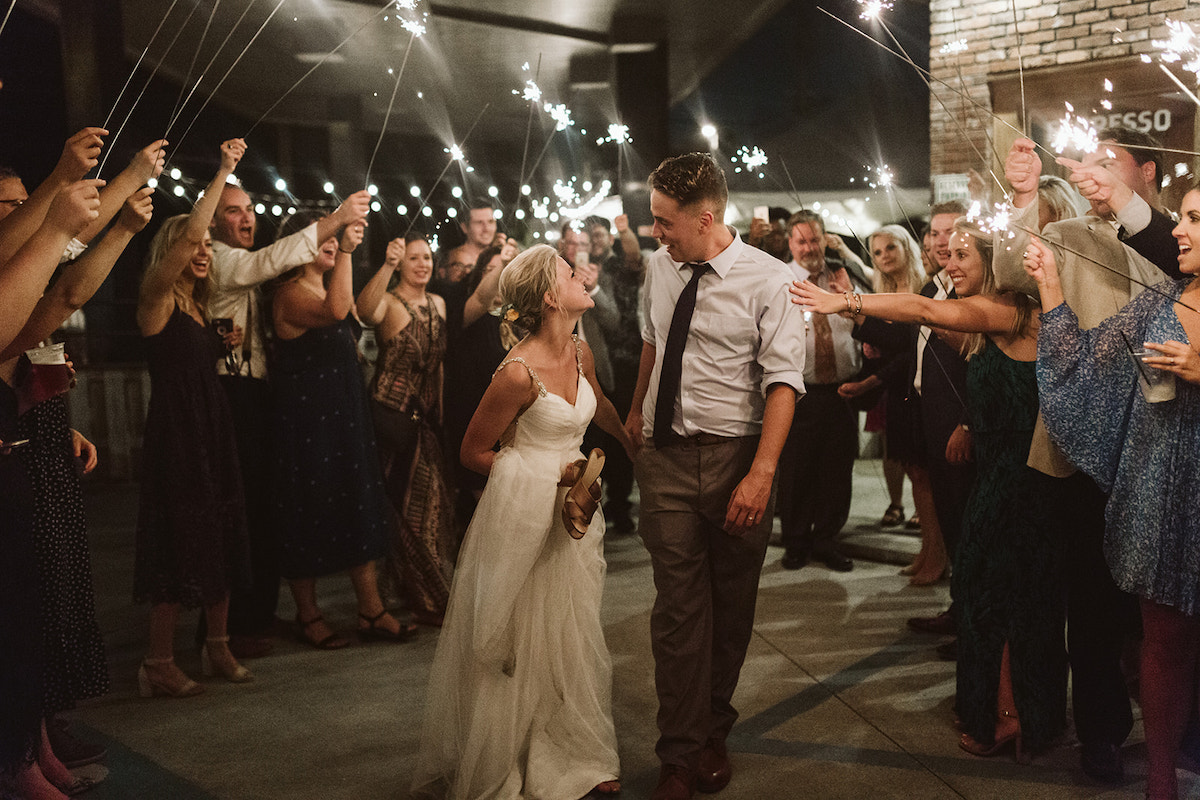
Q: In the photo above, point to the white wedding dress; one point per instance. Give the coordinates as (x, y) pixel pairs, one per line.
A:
(519, 698)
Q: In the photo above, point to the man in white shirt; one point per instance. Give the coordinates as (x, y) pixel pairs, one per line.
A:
(817, 467)
(716, 389)
(236, 275)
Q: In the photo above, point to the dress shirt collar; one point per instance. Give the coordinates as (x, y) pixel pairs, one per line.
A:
(723, 261)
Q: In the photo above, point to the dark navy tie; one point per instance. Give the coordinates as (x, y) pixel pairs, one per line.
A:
(672, 366)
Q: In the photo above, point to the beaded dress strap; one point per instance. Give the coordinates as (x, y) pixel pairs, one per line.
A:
(578, 354)
(532, 374)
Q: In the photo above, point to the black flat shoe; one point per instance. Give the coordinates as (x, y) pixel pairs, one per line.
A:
(836, 561)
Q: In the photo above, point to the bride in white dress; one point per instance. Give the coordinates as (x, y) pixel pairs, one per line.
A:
(519, 698)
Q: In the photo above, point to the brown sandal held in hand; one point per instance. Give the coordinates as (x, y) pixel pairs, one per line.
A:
(583, 498)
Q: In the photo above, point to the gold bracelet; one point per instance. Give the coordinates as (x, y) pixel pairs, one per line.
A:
(849, 308)
(857, 304)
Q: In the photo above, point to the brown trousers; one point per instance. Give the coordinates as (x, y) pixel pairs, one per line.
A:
(707, 584)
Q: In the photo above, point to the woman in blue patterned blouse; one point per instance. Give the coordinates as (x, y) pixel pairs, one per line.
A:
(1147, 454)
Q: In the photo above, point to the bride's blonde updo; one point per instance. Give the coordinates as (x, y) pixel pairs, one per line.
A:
(524, 285)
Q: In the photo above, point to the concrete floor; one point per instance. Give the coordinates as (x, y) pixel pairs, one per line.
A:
(838, 699)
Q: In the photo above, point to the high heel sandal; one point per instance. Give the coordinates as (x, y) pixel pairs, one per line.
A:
(334, 641)
(966, 742)
(892, 517)
(374, 632)
(583, 498)
(231, 670)
(150, 686)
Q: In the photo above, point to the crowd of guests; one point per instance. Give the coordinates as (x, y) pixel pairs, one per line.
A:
(270, 455)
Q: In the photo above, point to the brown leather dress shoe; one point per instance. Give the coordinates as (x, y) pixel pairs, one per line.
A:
(715, 771)
(674, 783)
(941, 625)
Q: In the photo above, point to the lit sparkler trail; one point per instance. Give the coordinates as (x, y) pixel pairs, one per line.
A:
(224, 77)
(415, 31)
(560, 114)
(930, 78)
(871, 9)
(179, 101)
(533, 95)
(752, 159)
(1182, 45)
(996, 222)
(1020, 70)
(132, 72)
(929, 84)
(456, 155)
(617, 134)
(1075, 132)
(138, 99)
(328, 56)
(8, 13)
(957, 46)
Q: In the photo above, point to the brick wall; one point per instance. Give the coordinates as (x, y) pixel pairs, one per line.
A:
(1052, 34)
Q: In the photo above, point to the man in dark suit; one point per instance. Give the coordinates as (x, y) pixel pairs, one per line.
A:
(1129, 233)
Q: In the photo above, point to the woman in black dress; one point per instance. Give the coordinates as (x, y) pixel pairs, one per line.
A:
(57, 211)
(191, 535)
(328, 488)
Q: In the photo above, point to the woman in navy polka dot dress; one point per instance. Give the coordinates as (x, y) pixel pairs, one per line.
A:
(327, 482)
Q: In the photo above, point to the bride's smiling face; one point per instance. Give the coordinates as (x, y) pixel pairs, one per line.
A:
(572, 297)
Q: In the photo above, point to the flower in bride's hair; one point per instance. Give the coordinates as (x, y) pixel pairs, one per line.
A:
(512, 315)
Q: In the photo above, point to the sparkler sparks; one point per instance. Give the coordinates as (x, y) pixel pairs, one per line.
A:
(415, 27)
(957, 46)
(1076, 133)
(617, 134)
(871, 9)
(406, 5)
(456, 153)
(1182, 45)
(997, 222)
(560, 114)
(752, 160)
(532, 92)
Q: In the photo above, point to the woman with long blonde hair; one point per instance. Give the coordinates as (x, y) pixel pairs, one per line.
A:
(191, 536)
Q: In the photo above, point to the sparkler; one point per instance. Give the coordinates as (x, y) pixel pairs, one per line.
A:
(179, 101)
(138, 99)
(8, 13)
(1020, 69)
(871, 9)
(224, 77)
(1075, 132)
(327, 56)
(927, 77)
(456, 155)
(133, 71)
(752, 160)
(617, 134)
(560, 114)
(415, 30)
(1182, 45)
(532, 94)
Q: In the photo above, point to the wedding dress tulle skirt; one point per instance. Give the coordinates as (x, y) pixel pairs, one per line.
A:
(519, 698)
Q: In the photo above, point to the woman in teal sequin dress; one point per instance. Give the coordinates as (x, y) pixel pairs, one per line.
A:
(1012, 673)
(1147, 455)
